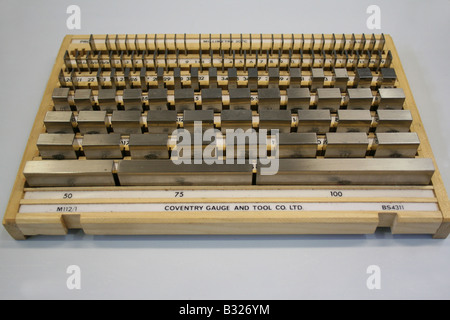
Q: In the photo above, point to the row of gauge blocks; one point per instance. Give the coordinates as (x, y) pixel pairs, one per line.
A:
(246, 146)
(166, 121)
(253, 79)
(212, 97)
(166, 172)
(235, 99)
(156, 133)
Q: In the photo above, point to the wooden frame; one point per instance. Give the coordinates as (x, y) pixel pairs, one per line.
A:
(21, 225)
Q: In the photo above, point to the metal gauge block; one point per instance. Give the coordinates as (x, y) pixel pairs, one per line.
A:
(107, 100)
(275, 119)
(269, 99)
(359, 98)
(363, 78)
(298, 99)
(184, 99)
(126, 122)
(57, 146)
(244, 146)
(387, 77)
(102, 146)
(161, 121)
(83, 99)
(240, 99)
(296, 145)
(59, 121)
(212, 99)
(397, 145)
(235, 119)
(341, 79)
(149, 146)
(329, 98)
(69, 173)
(232, 78)
(157, 99)
(92, 122)
(368, 171)
(354, 121)
(166, 172)
(391, 98)
(253, 79)
(295, 77)
(132, 99)
(317, 78)
(393, 120)
(274, 77)
(60, 97)
(198, 120)
(317, 121)
(346, 145)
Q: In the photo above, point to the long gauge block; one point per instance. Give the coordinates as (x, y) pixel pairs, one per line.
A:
(228, 134)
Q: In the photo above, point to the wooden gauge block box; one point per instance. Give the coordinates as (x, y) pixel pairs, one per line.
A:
(128, 182)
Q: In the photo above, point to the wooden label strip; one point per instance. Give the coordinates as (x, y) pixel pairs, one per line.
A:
(231, 207)
(235, 194)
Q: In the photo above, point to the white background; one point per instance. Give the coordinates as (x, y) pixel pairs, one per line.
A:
(220, 267)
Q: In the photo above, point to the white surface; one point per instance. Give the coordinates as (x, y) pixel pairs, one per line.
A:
(220, 267)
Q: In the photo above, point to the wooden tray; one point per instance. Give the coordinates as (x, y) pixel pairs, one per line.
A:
(225, 210)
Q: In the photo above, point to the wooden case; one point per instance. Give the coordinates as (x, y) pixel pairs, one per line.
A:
(224, 210)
